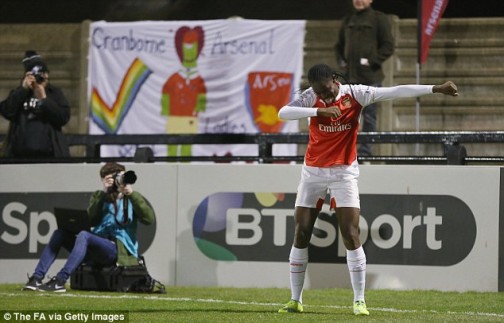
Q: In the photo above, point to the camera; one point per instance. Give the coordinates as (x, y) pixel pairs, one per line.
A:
(37, 72)
(121, 179)
(39, 78)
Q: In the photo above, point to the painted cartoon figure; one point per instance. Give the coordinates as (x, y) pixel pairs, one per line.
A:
(184, 93)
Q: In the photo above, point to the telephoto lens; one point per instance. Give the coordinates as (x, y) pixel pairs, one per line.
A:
(128, 177)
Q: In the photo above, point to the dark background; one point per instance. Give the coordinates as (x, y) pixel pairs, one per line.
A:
(73, 11)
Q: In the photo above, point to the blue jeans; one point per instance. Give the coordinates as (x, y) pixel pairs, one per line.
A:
(83, 247)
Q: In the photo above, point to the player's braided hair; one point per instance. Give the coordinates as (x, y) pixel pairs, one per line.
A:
(321, 73)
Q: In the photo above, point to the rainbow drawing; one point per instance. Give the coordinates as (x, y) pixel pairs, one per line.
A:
(109, 118)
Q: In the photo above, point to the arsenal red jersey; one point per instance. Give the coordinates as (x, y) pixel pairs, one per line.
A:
(183, 92)
(333, 141)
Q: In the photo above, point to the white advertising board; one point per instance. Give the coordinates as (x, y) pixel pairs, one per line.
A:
(28, 194)
(423, 227)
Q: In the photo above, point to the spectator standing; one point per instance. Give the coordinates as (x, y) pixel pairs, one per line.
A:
(365, 42)
(37, 111)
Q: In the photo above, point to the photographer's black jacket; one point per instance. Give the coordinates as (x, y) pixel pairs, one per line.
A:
(35, 129)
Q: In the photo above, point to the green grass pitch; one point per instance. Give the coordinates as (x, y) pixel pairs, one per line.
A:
(212, 304)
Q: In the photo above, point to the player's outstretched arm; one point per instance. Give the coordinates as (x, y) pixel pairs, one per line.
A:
(447, 88)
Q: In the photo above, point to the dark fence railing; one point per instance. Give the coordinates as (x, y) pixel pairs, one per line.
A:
(454, 150)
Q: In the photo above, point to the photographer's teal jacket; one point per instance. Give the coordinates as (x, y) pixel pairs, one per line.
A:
(142, 211)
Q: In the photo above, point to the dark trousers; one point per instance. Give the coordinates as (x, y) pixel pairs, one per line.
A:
(368, 125)
(368, 120)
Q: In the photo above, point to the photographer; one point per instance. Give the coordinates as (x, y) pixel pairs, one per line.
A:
(37, 111)
(114, 213)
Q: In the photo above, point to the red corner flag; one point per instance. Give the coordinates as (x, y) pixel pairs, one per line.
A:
(430, 14)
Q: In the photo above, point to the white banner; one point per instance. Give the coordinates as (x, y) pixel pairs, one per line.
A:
(215, 76)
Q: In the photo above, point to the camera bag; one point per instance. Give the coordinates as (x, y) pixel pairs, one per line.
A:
(115, 278)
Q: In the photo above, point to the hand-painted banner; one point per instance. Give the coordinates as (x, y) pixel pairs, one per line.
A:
(186, 77)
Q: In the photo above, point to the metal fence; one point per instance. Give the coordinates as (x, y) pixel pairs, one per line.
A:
(454, 152)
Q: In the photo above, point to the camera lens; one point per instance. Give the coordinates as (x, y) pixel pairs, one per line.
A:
(129, 177)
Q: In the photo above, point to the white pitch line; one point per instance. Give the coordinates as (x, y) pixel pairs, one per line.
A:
(211, 300)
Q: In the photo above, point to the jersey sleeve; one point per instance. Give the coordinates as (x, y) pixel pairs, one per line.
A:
(363, 94)
(302, 107)
(367, 95)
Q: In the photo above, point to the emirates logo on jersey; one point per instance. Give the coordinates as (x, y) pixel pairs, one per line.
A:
(335, 127)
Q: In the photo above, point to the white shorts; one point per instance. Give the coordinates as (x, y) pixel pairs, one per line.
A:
(340, 181)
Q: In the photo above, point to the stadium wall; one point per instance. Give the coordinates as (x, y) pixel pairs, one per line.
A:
(468, 51)
(424, 227)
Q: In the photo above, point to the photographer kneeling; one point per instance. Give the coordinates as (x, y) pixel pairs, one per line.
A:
(114, 213)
